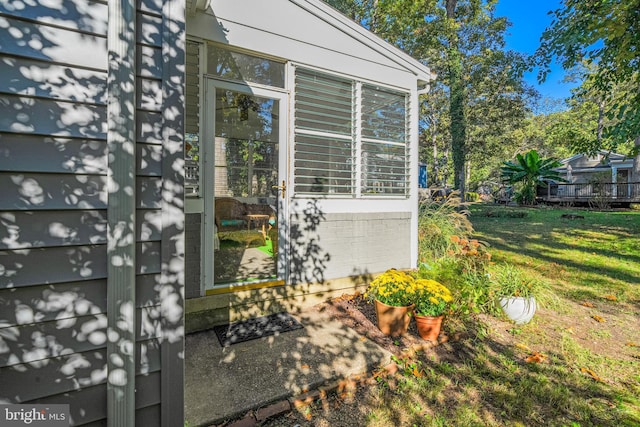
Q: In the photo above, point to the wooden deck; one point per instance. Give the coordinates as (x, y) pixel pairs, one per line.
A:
(623, 193)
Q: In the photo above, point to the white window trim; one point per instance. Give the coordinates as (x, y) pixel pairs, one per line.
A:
(358, 139)
(356, 136)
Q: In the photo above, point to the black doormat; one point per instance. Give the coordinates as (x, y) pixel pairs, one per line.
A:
(258, 327)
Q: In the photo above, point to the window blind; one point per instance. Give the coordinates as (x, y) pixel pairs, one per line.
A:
(385, 148)
(324, 118)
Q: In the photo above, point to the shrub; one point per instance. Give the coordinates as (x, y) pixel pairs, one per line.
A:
(437, 222)
(469, 287)
(471, 197)
(508, 280)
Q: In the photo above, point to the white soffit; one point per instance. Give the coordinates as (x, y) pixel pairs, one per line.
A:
(307, 22)
(341, 22)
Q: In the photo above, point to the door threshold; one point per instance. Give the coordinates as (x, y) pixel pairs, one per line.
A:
(225, 289)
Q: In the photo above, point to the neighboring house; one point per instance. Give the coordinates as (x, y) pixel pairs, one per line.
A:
(292, 130)
(605, 176)
(610, 167)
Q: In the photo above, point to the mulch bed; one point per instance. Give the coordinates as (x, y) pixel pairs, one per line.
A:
(358, 314)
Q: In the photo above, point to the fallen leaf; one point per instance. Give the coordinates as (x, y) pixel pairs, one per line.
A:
(305, 366)
(610, 297)
(598, 318)
(588, 304)
(570, 330)
(592, 374)
(363, 338)
(632, 344)
(535, 357)
(417, 373)
(522, 346)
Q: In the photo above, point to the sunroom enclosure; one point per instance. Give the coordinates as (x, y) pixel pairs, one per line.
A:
(301, 156)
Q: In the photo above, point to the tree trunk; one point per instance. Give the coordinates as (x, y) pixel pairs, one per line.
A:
(436, 164)
(456, 103)
(374, 17)
(600, 122)
(444, 166)
(467, 172)
(635, 171)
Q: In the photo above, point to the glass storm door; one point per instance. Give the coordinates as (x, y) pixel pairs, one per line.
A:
(245, 160)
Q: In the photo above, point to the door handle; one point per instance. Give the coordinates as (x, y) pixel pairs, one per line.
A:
(282, 187)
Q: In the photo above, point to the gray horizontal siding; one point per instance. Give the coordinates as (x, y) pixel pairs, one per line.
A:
(32, 342)
(70, 372)
(192, 87)
(20, 114)
(87, 16)
(58, 191)
(150, 61)
(43, 41)
(36, 153)
(149, 30)
(53, 206)
(88, 406)
(62, 301)
(51, 191)
(33, 229)
(48, 43)
(26, 267)
(24, 76)
(57, 301)
(149, 94)
(149, 160)
(37, 229)
(150, 6)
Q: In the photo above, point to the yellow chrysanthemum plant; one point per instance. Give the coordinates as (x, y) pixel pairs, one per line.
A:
(393, 287)
(431, 298)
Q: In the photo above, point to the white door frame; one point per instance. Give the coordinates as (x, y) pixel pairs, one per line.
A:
(207, 186)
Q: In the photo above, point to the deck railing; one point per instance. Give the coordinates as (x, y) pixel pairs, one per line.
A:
(620, 191)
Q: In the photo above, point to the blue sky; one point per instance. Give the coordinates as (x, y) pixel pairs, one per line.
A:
(529, 19)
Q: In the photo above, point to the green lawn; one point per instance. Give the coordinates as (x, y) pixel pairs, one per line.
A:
(576, 364)
(565, 368)
(581, 258)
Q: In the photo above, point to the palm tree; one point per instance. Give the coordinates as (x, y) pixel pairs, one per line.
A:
(529, 170)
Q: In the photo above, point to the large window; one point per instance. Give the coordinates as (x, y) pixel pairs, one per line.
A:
(242, 67)
(351, 138)
(384, 142)
(323, 134)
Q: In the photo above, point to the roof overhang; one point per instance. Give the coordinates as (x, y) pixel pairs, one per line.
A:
(335, 18)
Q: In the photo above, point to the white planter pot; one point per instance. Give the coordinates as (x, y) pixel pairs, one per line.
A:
(519, 309)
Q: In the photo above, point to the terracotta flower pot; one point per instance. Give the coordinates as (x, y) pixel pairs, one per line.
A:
(393, 320)
(429, 327)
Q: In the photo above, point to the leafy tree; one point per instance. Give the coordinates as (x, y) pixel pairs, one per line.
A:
(480, 91)
(435, 143)
(529, 170)
(606, 35)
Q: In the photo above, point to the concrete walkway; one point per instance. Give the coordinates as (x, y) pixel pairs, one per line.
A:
(226, 383)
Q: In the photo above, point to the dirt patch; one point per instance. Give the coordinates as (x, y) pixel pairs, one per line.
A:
(604, 327)
(556, 340)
